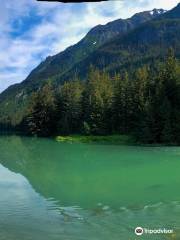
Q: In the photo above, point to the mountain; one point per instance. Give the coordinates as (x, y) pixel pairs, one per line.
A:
(174, 13)
(143, 45)
(114, 46)
(96, 37)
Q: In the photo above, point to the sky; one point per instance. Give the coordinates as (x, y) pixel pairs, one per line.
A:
(30, 30)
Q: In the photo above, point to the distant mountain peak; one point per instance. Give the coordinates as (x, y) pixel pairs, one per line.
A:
(156, 11)
(148, 15)
(120, 23)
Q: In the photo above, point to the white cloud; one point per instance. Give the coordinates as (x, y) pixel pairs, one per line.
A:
(59, 26)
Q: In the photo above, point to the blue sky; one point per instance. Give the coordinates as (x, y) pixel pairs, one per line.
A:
(30, 30)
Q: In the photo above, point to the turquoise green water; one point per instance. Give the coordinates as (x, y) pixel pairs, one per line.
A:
(63, 191)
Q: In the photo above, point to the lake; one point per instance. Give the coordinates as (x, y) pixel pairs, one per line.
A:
(63, 191)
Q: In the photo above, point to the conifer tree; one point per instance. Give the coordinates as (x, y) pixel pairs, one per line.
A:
(97, 101)
(41, 115)
(69, 107)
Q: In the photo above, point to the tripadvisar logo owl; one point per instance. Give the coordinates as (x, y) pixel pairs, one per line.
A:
(139, 231)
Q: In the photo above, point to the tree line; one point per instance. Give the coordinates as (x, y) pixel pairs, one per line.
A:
(145, 104)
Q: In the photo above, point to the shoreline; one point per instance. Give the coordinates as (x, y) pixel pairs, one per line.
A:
(115, 139)
(110, 139)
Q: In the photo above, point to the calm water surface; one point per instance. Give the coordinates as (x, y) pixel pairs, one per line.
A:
(63, 191)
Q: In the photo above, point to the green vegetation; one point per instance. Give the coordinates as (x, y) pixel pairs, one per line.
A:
(41, 116)
(110, 139)
(145, 105)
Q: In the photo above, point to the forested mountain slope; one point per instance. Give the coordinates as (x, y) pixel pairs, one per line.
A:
(121, 44)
